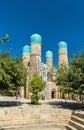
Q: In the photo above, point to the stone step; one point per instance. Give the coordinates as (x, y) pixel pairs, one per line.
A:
(29, 121)
(35, 111)
(29, 114)
(77, 119)
(48, 117)
(76, 125)
(24, 122)
(68, 127)
(79, 114)
(34, 116)
(46, 126)
(51, 112)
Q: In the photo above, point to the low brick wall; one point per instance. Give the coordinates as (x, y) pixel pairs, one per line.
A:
(28, 114)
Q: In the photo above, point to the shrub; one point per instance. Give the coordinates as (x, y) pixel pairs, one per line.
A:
(35, 98)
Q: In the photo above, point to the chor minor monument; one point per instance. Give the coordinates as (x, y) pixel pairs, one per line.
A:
(32, 61)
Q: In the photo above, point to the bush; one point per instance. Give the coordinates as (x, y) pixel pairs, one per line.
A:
(6, 93)
(35, 98)
(35, 85)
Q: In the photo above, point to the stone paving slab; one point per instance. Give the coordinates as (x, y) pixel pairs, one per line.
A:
(38, 129)
(48, 129)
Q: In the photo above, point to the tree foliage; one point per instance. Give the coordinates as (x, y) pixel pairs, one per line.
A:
(77, 73)
(36, 85)
(5, 38)
(62, 78)
(71, 79)
(12, 72)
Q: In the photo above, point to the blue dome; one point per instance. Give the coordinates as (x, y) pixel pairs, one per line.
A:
(26, 48)
(36, 38)
(62, 44)
(49, 55)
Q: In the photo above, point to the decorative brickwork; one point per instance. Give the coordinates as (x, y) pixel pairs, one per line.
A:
(62, 58)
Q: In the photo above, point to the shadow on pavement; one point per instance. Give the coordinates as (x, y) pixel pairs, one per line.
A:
(67, 105)
(10, 103)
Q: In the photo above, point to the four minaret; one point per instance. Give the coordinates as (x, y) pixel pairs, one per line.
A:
(32, 60)
(32, 55)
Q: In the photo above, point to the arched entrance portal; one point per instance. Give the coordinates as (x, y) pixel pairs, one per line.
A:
(53, 93)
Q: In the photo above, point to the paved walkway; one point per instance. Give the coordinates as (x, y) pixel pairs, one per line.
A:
(58, 103)
(9, 98)
(47, 129)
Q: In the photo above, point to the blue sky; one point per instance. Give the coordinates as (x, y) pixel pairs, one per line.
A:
(54, 20)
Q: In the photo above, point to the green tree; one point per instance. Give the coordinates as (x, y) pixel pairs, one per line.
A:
(71, 79)
(5, 38)
(77, 73)
(12, 72)
(62, 78)
(36, 85)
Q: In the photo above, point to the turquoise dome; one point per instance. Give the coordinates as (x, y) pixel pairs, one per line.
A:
(36, 38)
(26, 48)
(62, 44)
(49, 55)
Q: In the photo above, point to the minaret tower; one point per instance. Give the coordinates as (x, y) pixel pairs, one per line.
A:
(26, 61)
(35, 55)
(49, 59)
(26, 56)
(62, 53)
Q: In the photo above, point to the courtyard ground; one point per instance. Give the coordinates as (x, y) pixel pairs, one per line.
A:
(57, 103)
(20, 110)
